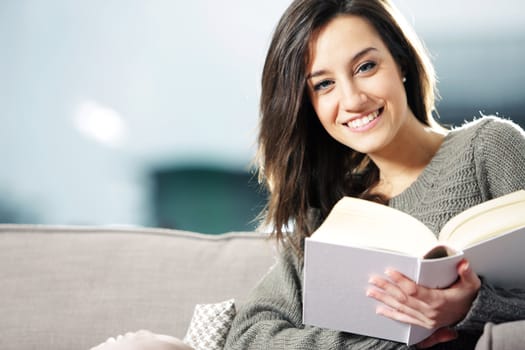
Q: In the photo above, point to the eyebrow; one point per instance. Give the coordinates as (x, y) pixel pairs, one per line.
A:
(355, 58)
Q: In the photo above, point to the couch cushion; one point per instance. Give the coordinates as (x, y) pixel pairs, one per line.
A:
(72, 287)
(210, 325)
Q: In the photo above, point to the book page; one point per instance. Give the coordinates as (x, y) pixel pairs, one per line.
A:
(362, 223)
(439, 273)
(486, 220)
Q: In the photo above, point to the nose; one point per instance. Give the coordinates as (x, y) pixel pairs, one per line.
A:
(351, 97)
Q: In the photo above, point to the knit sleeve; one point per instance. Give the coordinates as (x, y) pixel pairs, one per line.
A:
(500, 156)
(272, 317)
(494, 305)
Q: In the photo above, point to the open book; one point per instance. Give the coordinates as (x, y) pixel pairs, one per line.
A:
(360, 238)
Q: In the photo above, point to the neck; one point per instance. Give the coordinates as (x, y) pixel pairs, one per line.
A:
(402, 163)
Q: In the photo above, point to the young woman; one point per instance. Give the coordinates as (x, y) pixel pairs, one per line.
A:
(346, 110)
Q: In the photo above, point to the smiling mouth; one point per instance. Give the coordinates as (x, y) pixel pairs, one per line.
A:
(367, 119)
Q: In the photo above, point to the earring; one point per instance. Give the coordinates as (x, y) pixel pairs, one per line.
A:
(404, 79)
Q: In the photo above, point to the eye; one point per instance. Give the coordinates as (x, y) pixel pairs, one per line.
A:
(366, 67)
(322, 85)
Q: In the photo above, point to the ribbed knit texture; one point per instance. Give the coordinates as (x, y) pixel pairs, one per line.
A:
(481, 160)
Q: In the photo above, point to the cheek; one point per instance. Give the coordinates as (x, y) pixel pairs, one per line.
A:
(393, 91)
(379, 87)
(326, 110)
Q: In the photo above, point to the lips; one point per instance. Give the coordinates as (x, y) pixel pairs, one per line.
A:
(364, 120)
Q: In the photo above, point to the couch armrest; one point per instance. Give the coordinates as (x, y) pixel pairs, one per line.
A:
(72, 287)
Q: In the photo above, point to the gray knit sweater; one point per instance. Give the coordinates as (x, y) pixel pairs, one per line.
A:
(481, 160)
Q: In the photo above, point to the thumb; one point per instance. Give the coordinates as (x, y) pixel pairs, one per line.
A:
(467, 275)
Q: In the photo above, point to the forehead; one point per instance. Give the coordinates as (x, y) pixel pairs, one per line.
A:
(343, 35)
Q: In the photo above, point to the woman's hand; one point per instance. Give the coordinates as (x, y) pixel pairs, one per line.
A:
(143, 340)
(405, 301)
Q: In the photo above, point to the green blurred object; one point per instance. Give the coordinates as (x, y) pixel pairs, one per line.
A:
(206, 199)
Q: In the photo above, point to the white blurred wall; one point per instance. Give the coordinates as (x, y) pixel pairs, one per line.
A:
(95, 93)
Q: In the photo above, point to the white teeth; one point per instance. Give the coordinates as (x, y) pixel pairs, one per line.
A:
(357, 123)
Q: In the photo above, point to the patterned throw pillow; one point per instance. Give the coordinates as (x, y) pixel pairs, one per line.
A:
(209, 325)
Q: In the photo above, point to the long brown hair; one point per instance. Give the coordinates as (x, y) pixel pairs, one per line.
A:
(304, 168)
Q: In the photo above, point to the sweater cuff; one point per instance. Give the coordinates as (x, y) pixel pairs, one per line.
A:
(480, 310)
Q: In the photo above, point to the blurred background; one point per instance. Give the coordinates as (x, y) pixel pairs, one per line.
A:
(135, 112)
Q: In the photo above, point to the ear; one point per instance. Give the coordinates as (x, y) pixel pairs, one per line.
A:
(402, 66)
(403, 71)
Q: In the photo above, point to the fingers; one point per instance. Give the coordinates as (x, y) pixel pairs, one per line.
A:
(406, 315)
(408, 286)
(399, 304)
(405, 301)
(390, 288)
(402, 289)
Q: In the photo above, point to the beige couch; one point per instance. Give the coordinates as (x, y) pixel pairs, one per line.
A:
(73, 287)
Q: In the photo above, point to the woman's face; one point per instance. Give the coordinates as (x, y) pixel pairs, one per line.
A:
(355, 85)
